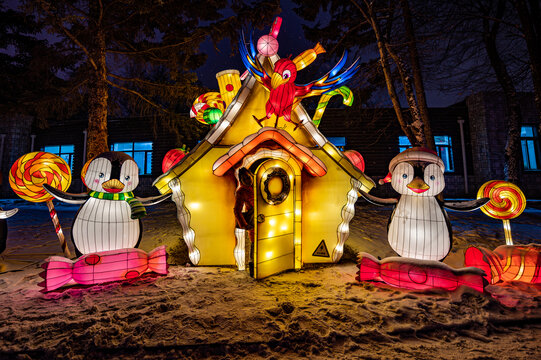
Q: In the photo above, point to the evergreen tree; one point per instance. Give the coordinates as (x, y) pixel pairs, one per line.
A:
(30, 79)
(105, 38)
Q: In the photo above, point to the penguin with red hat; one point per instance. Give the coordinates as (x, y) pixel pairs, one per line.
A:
(419, 227)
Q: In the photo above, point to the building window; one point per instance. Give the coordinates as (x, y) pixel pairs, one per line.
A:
(444, 148)
(339, 142)
(141, 152)
(529, 140)
(64, 151)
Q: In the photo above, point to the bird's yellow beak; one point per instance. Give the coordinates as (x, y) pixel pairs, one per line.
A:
(418, 185)
(277, 80)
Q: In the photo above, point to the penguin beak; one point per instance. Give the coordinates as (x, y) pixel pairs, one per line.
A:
(277, 80)
(112, 186)
(418, 185)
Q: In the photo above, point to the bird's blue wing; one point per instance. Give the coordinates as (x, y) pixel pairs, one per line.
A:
(334, 79)
(249, 59)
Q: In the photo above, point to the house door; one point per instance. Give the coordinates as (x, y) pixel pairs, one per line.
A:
(274, 249)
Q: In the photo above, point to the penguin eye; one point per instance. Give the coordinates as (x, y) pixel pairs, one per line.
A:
(101, 175)
(286, 74)
(432, 177)
(127, 178)
(405, 176)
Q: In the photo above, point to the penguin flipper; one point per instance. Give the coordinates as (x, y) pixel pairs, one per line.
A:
(66, 197)
(466, 205)
(8, 213)
(376, 200)
(153, 200)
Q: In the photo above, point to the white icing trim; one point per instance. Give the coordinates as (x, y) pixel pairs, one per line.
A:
(348, 211)
(184, 218)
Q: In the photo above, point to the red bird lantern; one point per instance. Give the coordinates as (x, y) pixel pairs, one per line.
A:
(285, 95)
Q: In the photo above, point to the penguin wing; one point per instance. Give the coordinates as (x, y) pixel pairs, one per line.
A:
(378, 201)
(66, 197)
(153, 200)
(466, 205)
(8, 213)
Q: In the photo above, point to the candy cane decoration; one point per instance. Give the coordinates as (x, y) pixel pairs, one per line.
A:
(507, 201)
(347, 95)
(30, 172)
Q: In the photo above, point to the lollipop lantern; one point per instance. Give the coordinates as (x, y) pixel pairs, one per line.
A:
(30, 172)
(267, 45)
(208, 108)
(507, 201)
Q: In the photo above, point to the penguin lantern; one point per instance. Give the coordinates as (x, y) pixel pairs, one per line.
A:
(419, 227)
(109, 218)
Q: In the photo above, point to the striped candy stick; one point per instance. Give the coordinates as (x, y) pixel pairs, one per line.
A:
(30, 172)
(507, 201)
(347, 95)
(58, 228)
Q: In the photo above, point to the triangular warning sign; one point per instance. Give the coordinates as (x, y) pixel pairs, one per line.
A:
(321, 250)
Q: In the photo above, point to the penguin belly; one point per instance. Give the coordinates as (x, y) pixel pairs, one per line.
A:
(418, 229)
(102, 225)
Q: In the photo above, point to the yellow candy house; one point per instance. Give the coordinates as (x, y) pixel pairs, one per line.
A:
(315, 184)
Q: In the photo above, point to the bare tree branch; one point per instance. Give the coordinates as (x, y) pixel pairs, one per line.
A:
(100, 18)
(141, 81)
(158, 48)
(45, 6)
(139, 95)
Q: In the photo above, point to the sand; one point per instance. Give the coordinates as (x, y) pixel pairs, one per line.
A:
(320, 312)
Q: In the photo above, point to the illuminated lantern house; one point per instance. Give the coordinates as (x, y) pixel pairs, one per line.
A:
(305, 188)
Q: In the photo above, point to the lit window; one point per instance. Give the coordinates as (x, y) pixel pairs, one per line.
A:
(141, 152)
(64, 151)
(444, 148)
(339, 142)
(530, 147)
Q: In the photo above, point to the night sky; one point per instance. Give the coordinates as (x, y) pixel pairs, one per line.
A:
(292, 42)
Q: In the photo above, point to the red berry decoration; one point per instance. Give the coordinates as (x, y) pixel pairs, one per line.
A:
(172, 158)
(356, 159)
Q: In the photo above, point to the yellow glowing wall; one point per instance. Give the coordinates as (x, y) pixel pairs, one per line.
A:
(323, 199)
(210, 200)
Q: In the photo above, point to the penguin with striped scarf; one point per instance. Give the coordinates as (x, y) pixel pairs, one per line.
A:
(110, 215)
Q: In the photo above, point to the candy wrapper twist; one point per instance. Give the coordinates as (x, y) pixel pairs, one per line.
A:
(101, 267)
(507, 263)
(417, 274)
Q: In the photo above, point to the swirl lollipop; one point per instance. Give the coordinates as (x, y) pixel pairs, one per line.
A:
(506, 202)
(208, 108)
(30, 172)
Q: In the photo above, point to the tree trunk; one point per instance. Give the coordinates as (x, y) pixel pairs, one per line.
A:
(98, 92)
(416, 121)
(417, 76)
(372, 19)
(514, 119)
(531, 26)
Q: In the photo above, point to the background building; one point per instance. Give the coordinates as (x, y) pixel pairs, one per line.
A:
(476, 125)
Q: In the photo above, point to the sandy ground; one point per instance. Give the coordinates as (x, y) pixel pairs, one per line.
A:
(219, 313)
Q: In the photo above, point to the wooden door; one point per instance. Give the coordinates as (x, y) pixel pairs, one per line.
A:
(274, 218)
